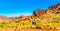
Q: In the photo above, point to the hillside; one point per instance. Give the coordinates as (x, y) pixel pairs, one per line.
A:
(41, 20)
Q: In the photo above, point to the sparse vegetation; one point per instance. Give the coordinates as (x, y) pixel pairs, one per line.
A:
(40, 24)
(44, 21)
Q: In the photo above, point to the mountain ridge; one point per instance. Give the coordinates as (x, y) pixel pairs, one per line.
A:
(51, 11)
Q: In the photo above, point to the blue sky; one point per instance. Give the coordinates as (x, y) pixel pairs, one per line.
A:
(11, 8)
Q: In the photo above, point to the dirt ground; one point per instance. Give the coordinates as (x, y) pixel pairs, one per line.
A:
(28, 30)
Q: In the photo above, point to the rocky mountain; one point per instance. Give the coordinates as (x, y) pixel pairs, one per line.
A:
(52, 10)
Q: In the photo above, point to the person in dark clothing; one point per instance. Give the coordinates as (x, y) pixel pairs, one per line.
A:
(34, 23)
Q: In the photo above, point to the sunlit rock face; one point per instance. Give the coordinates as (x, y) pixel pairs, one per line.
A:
(54, 9)
(39, 12)
(50, 11)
